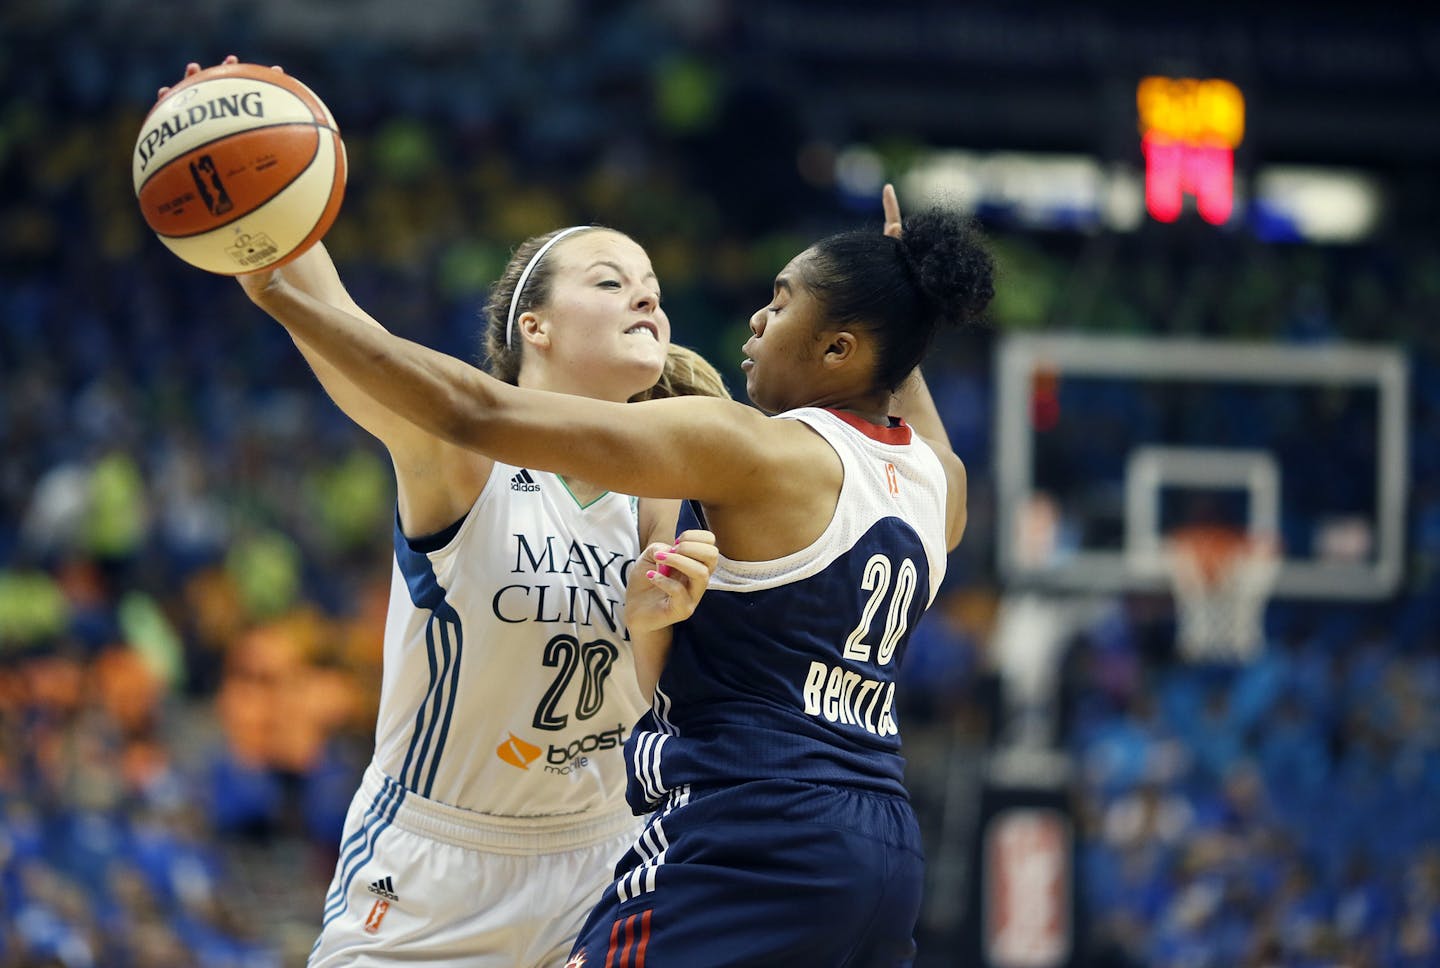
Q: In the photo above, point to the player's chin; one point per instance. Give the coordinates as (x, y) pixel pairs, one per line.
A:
(651, 359)
(641, 370)
(758, 397)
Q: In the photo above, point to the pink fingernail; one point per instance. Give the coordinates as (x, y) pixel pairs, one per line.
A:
(665, 570)
(662, 555)
(650, 574)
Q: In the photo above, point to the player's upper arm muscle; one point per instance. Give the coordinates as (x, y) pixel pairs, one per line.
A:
(698, 447)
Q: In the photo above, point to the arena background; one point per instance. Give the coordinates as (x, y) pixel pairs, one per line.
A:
(194, 544)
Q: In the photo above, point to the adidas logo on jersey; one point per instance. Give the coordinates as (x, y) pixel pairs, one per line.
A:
(385, 887)
(523, 482)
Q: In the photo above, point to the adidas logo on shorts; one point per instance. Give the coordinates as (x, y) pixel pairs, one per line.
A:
(523, 482)
(385, 888)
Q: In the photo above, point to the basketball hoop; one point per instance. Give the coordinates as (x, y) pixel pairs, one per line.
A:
(1221, 578)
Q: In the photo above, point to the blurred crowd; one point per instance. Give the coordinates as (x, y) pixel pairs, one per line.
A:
(195, 544)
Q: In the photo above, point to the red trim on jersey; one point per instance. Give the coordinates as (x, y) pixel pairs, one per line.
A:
(631, 937)
(644, 938)
(898, 434)
(614, 936)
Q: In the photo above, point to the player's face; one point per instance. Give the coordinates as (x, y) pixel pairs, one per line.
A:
(786, 344)
(608, 334)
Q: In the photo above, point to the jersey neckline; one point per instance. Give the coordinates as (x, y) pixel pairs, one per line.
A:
(593, 501)
(897, 433)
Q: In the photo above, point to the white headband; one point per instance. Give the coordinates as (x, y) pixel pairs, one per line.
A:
(525, 276)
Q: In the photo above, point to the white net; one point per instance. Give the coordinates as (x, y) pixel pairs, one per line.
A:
(1221, 580)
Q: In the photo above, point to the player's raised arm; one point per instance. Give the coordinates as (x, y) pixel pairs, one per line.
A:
(704, 448)
(420, 458)
(913, 403)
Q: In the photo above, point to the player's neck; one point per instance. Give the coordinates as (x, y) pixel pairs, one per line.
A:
(873, 408)
(557, 383)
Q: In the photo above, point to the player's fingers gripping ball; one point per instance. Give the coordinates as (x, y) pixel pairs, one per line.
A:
(238, 168)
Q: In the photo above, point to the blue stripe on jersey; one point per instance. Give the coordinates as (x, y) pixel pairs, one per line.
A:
(445, 628)
(425, 590)
(382, 810)
(437, 686)
(359, 834)
(377, 826)
(438, 705)
(445, 675)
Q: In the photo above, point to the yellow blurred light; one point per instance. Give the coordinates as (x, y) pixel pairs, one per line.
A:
(1190, 110)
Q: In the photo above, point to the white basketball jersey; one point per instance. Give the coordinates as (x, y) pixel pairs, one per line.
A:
(509, 685)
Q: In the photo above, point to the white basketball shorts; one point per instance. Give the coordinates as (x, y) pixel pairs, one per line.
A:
(420, 882)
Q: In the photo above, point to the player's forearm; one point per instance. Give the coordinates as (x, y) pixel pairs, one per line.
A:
(314, 273)
(651, 650)
(435, 392)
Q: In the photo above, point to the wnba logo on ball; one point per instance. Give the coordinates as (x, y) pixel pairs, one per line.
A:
(233, 106)
(213, 195)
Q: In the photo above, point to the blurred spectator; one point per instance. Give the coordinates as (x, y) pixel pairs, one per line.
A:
(193, 564)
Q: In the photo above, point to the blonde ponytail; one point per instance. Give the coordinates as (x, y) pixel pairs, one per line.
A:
(687, 374)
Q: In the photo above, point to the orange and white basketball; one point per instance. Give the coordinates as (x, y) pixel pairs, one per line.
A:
(239, 168)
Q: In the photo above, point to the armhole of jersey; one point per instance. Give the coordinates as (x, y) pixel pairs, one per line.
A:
(429, 544)
(936, 557)
(803, 562)
(697, 509)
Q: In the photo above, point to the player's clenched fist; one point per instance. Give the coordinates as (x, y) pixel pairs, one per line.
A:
(667, 581)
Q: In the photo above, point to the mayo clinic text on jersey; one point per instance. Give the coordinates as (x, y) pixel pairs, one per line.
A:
(578, 604)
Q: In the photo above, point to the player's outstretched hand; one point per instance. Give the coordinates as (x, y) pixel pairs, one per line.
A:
(667, 581)
(193, 68)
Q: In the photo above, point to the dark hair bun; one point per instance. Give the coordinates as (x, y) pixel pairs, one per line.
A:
(951, 263)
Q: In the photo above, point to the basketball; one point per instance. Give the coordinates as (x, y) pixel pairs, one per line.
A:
(239, 168)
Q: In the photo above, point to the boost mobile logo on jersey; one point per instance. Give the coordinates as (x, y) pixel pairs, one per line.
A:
(565, 759)
(517, 752)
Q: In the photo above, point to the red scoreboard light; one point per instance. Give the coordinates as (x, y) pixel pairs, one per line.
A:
(1189, 130)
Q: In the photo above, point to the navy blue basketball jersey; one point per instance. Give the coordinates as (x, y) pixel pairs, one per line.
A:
(788, 667)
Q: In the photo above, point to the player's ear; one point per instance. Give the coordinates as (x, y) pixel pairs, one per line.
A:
(534, 329)
(840, 348)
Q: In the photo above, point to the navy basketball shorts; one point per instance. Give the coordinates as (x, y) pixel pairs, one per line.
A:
(767, 873)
